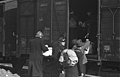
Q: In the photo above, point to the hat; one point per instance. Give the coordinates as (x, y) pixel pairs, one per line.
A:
(39, 34)
(62, 39)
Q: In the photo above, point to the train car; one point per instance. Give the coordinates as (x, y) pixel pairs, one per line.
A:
(56, 17)
(110, 32)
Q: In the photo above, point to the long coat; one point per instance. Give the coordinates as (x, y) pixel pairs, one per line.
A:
(55, 64)
(37, 46)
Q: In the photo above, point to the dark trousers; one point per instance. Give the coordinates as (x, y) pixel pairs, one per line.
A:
(80, 65)
(35, 68)
(71, 71)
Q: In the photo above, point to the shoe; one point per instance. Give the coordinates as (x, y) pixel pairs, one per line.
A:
(82, 75)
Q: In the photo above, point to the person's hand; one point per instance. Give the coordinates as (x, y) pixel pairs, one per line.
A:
(46, 46)
(87, 39)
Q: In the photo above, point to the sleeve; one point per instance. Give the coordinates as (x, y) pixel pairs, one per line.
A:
(43, 47)
(56, 50)
(86, 45)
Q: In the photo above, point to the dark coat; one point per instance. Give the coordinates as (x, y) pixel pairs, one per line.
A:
(53, 66)
(57, 49)
(37, 46)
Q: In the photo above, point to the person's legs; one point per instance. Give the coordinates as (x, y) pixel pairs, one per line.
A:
(30, 69)
(83, 69)
(82, 66)
(84, 61)
(79, 64)
(36, 70)
(71, 72)
(38, 67)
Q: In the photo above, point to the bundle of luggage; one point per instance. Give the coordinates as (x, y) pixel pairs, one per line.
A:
(68, 58)
(4, 73)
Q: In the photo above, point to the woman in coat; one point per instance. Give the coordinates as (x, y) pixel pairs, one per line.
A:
(80, 48)
(37, 46)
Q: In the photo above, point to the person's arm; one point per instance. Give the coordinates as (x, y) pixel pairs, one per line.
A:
(56, 50)
(86, 45)
(44, 48)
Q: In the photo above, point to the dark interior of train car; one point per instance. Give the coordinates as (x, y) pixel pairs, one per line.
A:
(83, 21)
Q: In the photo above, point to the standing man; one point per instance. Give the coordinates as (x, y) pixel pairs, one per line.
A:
(37, 46)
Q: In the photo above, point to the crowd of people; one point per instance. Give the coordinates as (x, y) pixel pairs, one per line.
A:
(70, 62)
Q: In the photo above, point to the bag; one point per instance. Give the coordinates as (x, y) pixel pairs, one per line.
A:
(68, 58)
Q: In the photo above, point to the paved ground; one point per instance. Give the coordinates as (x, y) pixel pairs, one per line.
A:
(93, 70)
